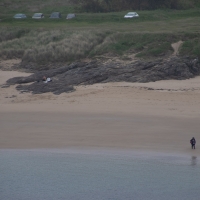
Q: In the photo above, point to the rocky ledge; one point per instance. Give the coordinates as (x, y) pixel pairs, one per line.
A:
(81, 73)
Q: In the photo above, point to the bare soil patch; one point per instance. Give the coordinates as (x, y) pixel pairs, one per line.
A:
(8, 65)
(176, 47)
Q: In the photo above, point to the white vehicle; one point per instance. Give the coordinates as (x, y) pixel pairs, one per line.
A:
(38, 16)
(131, 15)
(71, 16)
(20, 16)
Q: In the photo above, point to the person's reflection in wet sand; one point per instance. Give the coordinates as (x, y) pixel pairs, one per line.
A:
(193, 161)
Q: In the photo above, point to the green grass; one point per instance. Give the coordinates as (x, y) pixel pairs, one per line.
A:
(143, 44)
(191, 47)
(96, 18)
(88, 35)
(149, 21)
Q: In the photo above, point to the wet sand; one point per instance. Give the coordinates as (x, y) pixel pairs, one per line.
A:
(160, 116)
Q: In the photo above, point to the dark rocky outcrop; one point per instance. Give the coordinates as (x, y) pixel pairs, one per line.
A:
(64, 78)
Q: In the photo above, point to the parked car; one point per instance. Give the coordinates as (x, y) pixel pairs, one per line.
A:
(38, 16)
(131, 15)
(70, 16)
(19, 16)
(55, 15)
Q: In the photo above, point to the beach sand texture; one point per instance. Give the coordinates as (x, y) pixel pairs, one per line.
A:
(160, 116)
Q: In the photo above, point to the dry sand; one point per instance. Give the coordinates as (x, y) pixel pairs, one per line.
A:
(113, 115)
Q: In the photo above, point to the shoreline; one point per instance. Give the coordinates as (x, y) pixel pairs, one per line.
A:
(94, 151)
(94, 131)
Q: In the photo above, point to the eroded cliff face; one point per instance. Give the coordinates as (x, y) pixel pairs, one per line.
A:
(84, 73)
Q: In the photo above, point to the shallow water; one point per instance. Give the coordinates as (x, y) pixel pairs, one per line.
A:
(97, 175)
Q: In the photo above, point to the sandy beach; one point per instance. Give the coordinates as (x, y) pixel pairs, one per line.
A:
(160, 116)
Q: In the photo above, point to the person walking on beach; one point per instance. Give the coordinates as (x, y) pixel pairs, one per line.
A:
(193, 142)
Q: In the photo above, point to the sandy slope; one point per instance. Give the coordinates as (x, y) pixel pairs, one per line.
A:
(113, 115)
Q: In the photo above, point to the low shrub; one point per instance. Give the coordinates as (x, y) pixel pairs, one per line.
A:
(7, 33)
(191, 47)
(145, 45)
(62, 45)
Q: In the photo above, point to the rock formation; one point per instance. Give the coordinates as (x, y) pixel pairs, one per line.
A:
(81, 73)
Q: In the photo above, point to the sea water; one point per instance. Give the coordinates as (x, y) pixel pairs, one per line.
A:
(97, 175)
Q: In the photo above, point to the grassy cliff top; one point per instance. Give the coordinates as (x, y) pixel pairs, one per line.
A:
(95, 34)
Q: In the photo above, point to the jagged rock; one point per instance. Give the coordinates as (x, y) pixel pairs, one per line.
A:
(64, 78)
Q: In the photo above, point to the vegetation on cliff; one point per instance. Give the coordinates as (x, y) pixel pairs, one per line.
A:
(91, 35)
